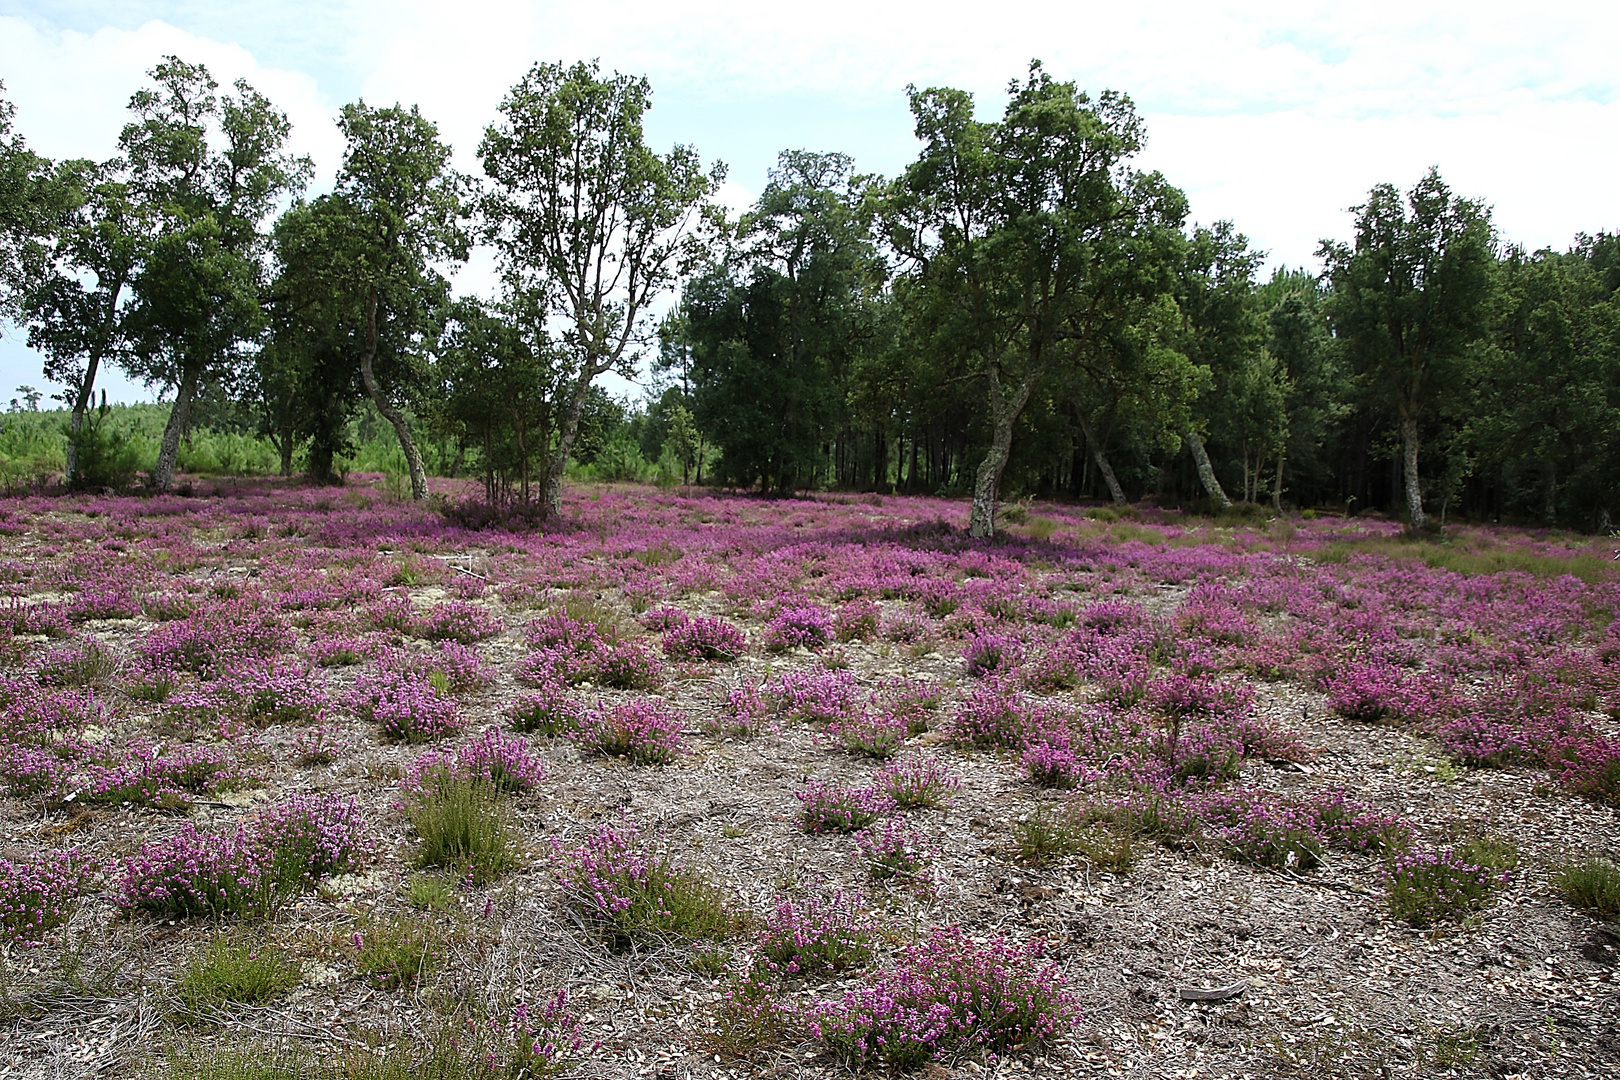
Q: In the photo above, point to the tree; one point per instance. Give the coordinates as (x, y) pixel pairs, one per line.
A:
(28, 199)
(1411, 297)
(195, 307)
(358, 290)
(591, 226)
(776, 331)
(1021, 236)
(76, 306)
(1308, 373)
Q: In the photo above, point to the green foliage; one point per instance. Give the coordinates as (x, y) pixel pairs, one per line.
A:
(231, 969)
(464, 826)
(395, 953)
(1592, 883)
(106, 456)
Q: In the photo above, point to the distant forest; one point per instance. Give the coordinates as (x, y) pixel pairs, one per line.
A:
(1021, 312)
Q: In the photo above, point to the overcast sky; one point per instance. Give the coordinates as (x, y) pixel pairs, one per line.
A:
(1278, 116)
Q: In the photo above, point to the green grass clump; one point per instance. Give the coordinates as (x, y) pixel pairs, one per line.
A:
(464, 825)
(1593, 884)
(428, 893)
(395, 952)
(234, 970)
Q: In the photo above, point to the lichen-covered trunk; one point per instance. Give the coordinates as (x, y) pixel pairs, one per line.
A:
(87, 387)
(1115, 492)
(175, 430)
(1004, 410)
(1277, 484)
(1414, 490)
(1206, 472)
(402, 428)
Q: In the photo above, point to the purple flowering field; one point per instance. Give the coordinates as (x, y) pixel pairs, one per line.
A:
(694, 785)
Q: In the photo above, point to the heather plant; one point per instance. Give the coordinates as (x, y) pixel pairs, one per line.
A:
(992, 654)
(906, 628)
(1254, 827)
(1425, 887)
(339, 652)
(157, 775)
(460, 621)
(705, 639)
(1592, 883)
(802, 626)
(548, 711)
(265, 694)
(746, 713)
(463, 825)
(502, 760)
(647, 731)
(1051, 762)
(829, 808)
(856, 620)
(1589, 766)
(946, 996)
(632, 894)
(662, 619)
(406, 708)
(37, 895)
(624, 666)
(995, 716)
(893, 849)
(234, 970)
(536, 1040)
(816, 938)
(311, 836)
(29, 772)
(917, 782)
(90, 663)
(213, 874)
(321, 744)
(874, 734)
(814, 697)
(20, 617)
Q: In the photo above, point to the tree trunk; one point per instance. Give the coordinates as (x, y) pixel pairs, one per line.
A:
(1003, 414)
(1277, 485)
(1115, 492)
(179, 419)
(1414, 491)
(413, 456)
(551, 496)
(1206, 472)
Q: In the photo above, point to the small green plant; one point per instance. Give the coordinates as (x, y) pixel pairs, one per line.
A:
(1423, 888)
(1039, 839)
(464, 826)
(425, 892)
(234, 969)
(752, 1019)
(1106, 849)
(1593, 884)
(1448, 1048)
(394, 952)
(1501, 856)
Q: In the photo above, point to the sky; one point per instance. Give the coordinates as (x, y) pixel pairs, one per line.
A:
(1277, 116)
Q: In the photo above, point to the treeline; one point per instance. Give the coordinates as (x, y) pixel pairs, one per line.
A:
(1020, 311)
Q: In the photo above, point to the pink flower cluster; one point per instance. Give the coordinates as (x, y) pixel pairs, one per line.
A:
(646, 730)
(37, 894)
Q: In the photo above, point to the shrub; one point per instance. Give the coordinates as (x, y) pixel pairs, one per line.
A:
(705, 639)
(338, 652)
(1257, 829)
(992, 654)
(1588, 766)
(947, 995)
(549, 711)
(995, 716)
(816, 938)
(647, 731)
(917, 782)
(230, 970)
(803, 626)
(37, 894)
(893, 850)
(459, 621)
(625, 666)
(162, 776)
(311, 836)
(501, 760)
(464, 826)
(856, 621)
(746, 713)
(874, 734)
(814, 697)
(634, 895)
(661, 619)
(1051, 762)
(829, 807)
(201, 873)
(320, 745)
(1426, 887)
(407, 708)
(1593, 884)
(265, 694)
(88, 664)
